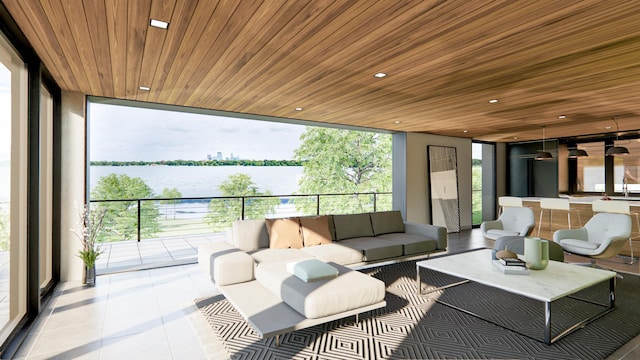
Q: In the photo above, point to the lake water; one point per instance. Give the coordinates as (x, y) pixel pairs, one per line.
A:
(203, 181)
(191, 181)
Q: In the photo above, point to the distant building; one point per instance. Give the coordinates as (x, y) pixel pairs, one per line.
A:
(219, 156)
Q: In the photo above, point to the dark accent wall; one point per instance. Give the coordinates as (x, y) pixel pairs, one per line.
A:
(530, 177)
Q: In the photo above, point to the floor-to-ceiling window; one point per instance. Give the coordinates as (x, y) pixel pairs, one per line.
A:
(13, 183)
(590, 174)
(46, 188)
(476, 183)
(483, 182)
(626, 169)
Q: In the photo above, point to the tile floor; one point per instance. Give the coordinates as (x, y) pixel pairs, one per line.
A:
(150, 314)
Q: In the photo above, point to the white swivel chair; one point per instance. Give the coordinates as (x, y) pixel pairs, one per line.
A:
(617, 207)
(603, 236)
(514, 221)
(508, 201)
(557, 204)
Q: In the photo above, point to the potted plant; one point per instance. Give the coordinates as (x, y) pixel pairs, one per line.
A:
(88, 226)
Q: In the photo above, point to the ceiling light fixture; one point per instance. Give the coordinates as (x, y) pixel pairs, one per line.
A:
(396, 122)
(159, 24)
(465, 131)
(493, 101)
(543, 154)
(617, 150)
(576, 153)
(562, 117)
(144, 88)
(298, 109)
(380, 75)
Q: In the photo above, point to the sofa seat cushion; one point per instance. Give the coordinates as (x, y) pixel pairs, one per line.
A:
(374, 248)
(350, 290)
(412, 244)
(217, 258)
(335, 252)
(312, 270)
(278, 255)
(496, 233)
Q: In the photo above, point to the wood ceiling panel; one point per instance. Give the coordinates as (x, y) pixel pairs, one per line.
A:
(445, 60)
(153, 46)
(117, 27)
(96, 20)
(179, 20)
(70, 50)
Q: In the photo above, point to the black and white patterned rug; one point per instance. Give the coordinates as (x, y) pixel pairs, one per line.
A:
(416, 327)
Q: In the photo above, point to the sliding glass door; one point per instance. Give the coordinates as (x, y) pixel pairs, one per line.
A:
(13, 188)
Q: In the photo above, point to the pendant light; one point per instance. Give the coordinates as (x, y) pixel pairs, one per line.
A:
(542, 154)
(576, 153)
(617, 150)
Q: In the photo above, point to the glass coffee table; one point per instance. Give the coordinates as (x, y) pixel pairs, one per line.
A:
(558, 280)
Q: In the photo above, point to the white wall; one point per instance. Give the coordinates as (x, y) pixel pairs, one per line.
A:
(417, 176)
(73, 165)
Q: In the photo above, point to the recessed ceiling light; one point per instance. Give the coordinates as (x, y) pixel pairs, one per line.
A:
(562, 117)
(396, 122)
(298, 109)
(493, 101)
(380, 75)
(607, 127)
(515, 138)
(159, 24)
(465, 131)
(144, 88)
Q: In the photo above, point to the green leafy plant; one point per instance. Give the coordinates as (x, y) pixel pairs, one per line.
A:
(89, 223)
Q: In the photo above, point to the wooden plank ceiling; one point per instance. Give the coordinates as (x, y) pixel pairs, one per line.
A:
(444, 59)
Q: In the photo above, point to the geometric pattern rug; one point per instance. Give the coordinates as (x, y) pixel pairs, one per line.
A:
(417, 327)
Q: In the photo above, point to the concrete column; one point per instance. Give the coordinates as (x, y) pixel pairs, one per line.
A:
(73, 192)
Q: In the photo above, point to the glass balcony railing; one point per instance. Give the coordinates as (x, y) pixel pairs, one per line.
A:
(139, 219)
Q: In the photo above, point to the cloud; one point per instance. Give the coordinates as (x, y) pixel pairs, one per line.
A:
(120, 133)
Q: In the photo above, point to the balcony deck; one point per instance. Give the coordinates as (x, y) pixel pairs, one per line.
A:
(152, 253)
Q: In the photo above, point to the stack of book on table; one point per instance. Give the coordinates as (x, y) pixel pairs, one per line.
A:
(511, 266)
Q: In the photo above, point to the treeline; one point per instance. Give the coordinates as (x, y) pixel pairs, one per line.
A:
(200, 163)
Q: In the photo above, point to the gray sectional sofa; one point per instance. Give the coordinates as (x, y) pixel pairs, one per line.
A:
(253, 267)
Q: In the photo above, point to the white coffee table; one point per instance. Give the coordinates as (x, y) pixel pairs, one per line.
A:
(556, 281)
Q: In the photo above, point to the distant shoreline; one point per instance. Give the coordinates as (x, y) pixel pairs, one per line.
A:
(200, 163)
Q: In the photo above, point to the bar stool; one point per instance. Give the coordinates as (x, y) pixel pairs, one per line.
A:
(552, 204)
(618, 207)
(508, 201)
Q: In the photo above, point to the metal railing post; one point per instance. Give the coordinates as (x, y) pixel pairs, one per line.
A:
(318, 204)
(242, 214)
(375, 202)
(139, 217)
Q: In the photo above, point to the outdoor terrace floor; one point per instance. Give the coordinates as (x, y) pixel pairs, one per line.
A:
(152, 253)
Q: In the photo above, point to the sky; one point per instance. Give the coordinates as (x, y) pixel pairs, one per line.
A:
(5, 113)
(122, 133)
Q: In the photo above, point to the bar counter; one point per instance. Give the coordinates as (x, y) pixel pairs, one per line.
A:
(580, 214)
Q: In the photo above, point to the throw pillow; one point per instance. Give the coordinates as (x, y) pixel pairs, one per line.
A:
(315, 230)
(312, 270)
(387, 222)
(284, 233)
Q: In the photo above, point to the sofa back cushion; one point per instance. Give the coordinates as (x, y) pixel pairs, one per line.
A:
(386, 222)
(352, 226)
(315, 230)
(284, 233)
(250, 235)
